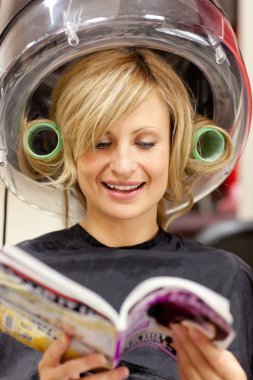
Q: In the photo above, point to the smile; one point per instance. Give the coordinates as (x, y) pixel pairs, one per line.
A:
(123, 188)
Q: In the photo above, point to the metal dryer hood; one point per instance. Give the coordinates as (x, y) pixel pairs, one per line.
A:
(9, 9)
(40, 37)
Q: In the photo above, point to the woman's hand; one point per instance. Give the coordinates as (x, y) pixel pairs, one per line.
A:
(200, 359)
(51, 367)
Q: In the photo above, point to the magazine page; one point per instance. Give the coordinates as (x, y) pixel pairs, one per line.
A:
(31, 331)
(25, 264)
(143, 330)
(155, 304)
(52, 312)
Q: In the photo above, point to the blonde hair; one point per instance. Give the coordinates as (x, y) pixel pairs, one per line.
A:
(95, 92)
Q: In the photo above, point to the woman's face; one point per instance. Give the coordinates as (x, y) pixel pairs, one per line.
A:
(126, 175)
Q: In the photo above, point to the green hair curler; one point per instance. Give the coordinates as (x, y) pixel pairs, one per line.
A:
(209, 144)
(42, 140)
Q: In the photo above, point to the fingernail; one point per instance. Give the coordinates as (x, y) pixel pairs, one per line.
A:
(99, 359)
(65, 339)
(123, 372)
(176, 330)
(102, 360)
(194, 334)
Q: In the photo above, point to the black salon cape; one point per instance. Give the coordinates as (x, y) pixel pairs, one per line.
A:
(114, 272)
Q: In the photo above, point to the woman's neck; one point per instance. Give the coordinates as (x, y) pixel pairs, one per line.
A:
(123, 233)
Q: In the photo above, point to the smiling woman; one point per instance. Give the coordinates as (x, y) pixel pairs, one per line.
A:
(103, 105)
(126, 175)
(124, 133)
(139, 107)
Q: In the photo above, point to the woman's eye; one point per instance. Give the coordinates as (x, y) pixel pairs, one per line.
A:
(146, 144)
(103, 145)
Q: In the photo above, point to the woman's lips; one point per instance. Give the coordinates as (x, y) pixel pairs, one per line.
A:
(123, 190)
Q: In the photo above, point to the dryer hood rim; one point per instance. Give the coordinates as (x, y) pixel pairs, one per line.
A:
(51, 50)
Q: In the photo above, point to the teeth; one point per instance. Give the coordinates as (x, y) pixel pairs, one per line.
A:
(123, 188)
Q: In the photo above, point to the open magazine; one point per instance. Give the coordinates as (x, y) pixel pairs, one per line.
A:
(37, 303)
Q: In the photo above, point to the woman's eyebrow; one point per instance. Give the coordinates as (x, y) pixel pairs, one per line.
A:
(147, 129)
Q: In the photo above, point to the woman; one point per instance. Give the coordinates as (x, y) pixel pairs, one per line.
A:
(127, 125)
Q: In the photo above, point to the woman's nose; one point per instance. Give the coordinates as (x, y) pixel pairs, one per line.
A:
(123, 162)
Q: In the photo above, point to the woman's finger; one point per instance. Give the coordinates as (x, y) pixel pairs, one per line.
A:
(192, 363)
(188, 369)
(50, 366)
(53, 355)
(223, 362)
(73, 368)
(182, 374)
(115, 374)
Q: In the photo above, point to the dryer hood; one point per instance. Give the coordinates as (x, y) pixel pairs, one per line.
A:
(9, 9)
(40, 37)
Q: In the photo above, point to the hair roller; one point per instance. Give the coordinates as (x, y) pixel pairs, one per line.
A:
(209, 144)
(42, 139)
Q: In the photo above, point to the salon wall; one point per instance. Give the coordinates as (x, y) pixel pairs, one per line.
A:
(24, 222)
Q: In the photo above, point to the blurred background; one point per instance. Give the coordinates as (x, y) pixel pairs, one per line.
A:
(223, 218)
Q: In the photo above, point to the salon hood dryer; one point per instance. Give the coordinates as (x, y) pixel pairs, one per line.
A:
(41, 37)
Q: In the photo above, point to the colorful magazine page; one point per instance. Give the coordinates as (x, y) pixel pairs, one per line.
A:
(90, 330)
(32, 268)
(150, 313)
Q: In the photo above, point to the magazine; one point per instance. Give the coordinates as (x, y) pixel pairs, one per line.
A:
(38, 303)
